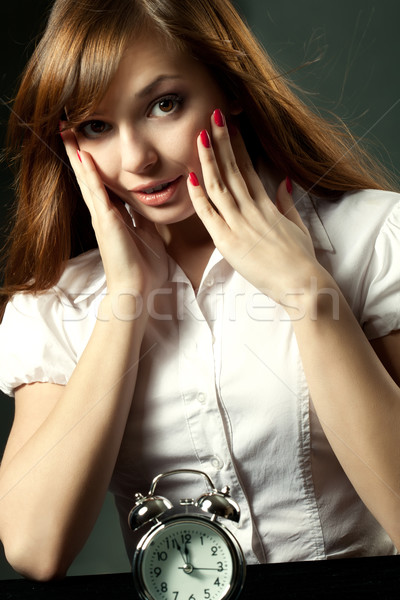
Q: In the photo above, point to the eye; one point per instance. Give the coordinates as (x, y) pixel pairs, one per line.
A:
(94, 129)
(166, 105)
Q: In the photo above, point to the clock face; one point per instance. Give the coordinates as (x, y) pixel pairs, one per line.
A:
(189, 559)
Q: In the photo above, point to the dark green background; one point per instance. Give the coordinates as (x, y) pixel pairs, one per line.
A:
(356, 76)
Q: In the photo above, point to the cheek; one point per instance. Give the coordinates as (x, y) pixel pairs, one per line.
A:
(107, 164)
(188, 153)
(185, 151)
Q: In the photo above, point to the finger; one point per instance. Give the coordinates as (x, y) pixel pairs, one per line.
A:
(254, 203)
(212, 220)
(75, 159)
(253, 182)
(286, 206)
(74, 155)
(89, 181)
(225, 201)
(71, 145)
(256, 199)
(93, 190)
(226, 160)
(91, 186)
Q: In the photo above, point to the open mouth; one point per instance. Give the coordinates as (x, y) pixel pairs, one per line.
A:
(159, 194)
(158, 188)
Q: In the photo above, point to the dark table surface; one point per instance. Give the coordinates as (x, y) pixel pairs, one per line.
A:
(366, 578)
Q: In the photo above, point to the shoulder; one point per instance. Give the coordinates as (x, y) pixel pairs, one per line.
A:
(42, 335)
(357, 239)
(351, 222)
(82, 281)
(358, 215)
(82, 278)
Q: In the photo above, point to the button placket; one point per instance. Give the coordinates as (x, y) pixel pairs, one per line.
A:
(200, 329)
(197, 380)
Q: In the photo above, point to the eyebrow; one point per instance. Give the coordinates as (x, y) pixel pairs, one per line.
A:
(151, 86)
(146, 91)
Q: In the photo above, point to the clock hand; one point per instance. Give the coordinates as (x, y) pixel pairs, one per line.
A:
(198, 568)
(180, 551)
(186, 553)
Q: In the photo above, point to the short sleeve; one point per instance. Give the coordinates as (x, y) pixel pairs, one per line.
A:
(42, 336)
(381, 286)
(357, 239)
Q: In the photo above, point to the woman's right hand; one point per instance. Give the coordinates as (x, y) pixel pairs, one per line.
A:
(134, 256)
(65, 439)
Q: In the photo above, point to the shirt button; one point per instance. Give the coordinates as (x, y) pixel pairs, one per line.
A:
(217, 462)
(209, 282)
(201, 397)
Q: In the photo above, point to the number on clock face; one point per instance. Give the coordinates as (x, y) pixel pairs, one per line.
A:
(188, 559)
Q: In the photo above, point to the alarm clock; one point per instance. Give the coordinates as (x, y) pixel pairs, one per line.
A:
(189, 554)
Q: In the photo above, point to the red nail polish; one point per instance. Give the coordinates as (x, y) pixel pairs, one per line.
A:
(219, 118)
(289, 186)
(79, 156)
(205, 139)
(193, 179)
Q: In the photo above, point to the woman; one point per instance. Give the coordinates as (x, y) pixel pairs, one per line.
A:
(217, 325)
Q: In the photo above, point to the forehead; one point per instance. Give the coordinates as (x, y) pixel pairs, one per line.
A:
(149, 61)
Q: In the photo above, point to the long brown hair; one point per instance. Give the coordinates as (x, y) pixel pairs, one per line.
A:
(72, 67)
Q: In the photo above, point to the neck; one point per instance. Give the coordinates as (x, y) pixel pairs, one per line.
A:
(190, 245)
(190, 232)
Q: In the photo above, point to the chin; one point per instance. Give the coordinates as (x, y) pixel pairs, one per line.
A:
(166, 215)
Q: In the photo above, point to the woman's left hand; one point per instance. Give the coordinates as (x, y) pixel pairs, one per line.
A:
(267, 244)
(355, 399)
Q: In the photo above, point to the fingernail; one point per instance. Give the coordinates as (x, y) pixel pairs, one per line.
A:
(219, 118)
(289, 186)
(60, 129)
(193, 179)
(79, 156)
(205, 139)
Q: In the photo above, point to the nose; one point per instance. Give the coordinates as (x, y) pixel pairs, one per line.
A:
(138, 152)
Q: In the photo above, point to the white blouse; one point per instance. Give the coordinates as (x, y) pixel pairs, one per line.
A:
(221, 386)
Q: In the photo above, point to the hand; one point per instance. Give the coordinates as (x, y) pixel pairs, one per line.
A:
(269, 245)
(134, 257)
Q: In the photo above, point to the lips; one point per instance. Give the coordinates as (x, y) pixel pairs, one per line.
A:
(158, 193)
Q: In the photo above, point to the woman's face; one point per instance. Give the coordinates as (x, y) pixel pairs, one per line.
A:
(142, 135)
